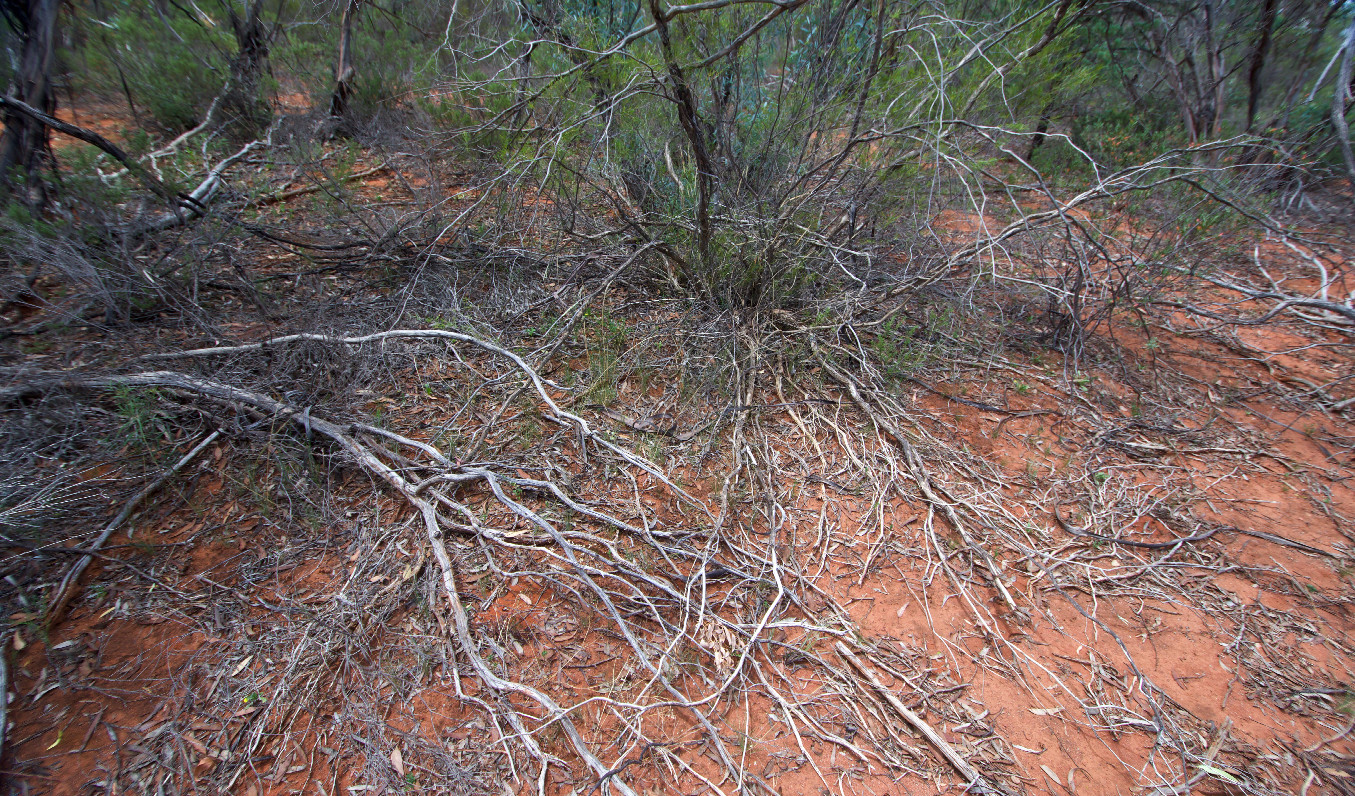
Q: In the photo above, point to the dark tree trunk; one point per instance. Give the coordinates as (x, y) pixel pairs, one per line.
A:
(249, 111)
(344, 72)
(1258, 59)
(692, 125)
(1041, 130)
(25, 143)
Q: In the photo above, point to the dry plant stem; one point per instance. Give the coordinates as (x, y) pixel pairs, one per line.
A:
(917, 470)
(577, 309)
(1199, 537)
(579, 553)
(585, 574)
(974, 779)
(491, 680)
(61, 597)
(558, 414)
(283, 196)
(336, 433)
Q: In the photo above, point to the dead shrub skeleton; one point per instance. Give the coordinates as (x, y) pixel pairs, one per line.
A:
(786, 287)
(664, 609)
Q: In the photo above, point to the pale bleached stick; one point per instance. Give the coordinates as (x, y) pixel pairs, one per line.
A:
(971, 775)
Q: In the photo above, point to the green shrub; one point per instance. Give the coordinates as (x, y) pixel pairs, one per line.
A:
(172, 65)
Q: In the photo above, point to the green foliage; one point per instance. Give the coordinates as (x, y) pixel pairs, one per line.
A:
(172, 64)
(398, 60)
(606, 340)
(898, 352)
(746, 274)
(18, 221)
(143, 424)
(1115, 136)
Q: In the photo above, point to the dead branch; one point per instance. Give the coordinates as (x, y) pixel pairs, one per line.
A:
(4, 690)
(559, 414)
(918, 471)
(283, 196)
(1176, 544)
(338, 434)
(90, 137)
(196, 201)
(972, 777)
(64, 591)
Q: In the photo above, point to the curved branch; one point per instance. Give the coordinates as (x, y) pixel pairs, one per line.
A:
(94, 139)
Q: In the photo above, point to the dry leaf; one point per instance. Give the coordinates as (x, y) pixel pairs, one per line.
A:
(719, 642)
(398, 761)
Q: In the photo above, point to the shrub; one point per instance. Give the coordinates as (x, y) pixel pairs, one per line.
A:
(172, 67)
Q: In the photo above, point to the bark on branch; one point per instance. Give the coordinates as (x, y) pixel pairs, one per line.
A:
(345, 437)
(90, 137)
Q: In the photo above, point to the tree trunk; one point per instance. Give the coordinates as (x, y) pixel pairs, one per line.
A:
(1340, 103)
(343, 73)
(688, 117)
(1215, 98)
(25, 143)
(1041, 130)
(1258, 59)
(1286, 107)
(248, 110)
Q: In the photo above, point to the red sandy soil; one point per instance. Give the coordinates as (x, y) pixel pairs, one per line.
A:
(118, 678)
(1250, 645)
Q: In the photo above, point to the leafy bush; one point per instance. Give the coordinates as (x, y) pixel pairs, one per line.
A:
(170, 66)
(1119, 136)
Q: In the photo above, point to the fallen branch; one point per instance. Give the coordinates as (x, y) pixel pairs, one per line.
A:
(557, 413)
(94, 139)
(1344, 312)
(972, 777)
(196, 200)
(368, 461)
(918, 471)
(1282, 541)
(283, 196)
(65, 590)
(4, 691)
